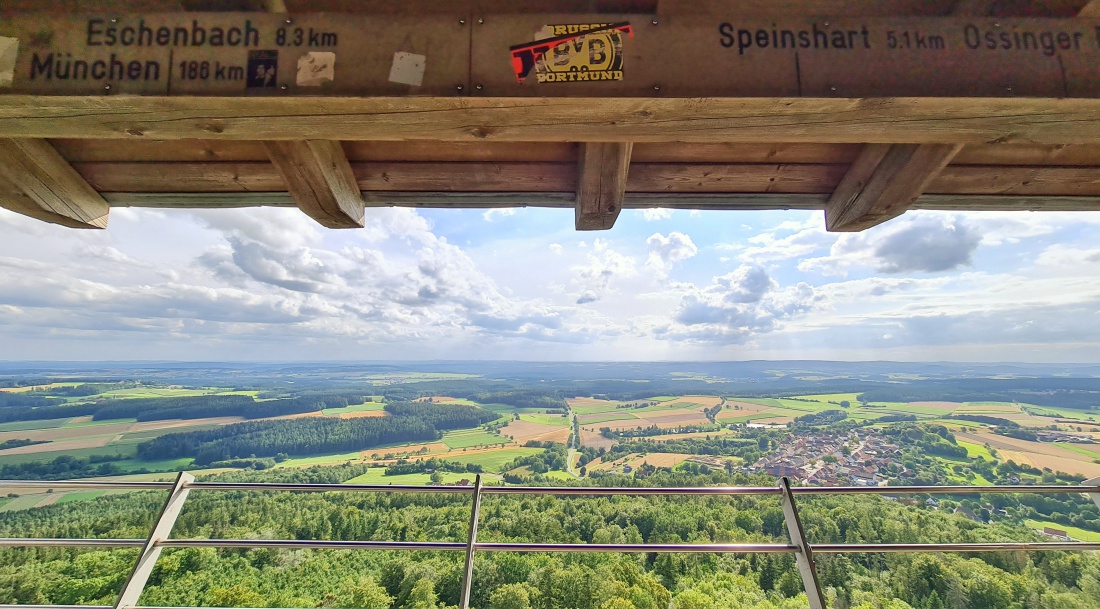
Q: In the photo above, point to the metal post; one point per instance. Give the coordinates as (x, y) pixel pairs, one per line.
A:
(804, 558)
(135, 584)
(475, 514)
(1096, 493)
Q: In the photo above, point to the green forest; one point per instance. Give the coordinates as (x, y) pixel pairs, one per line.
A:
(427, 580)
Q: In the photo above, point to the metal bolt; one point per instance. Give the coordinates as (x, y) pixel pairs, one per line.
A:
(656, 87)
(283, 87)
(480, 21)
(996, 25)
(1008, 88)
(106, 87)
(462, 22)
(478, 87)
(289, 21)
(114, 19)
(832, 88)
(826, 23)
(459, 88)
(654, 22)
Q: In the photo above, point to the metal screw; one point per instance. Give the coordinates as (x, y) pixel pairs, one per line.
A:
(114, 19)
(656, 87)
(289, 21)
(106, 87)
(459, 88)
(826, 23)
(1008, 88)
(478, 87)
(831, 88)
(480, 21)
(462, 22)
(283, 87)
(996, 25)
(654, 22)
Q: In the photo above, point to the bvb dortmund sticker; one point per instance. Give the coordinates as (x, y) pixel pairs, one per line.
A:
(573, 53)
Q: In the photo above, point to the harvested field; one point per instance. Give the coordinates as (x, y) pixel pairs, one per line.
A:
(1036, 454)
(433, 447)
(364, 413)
(688, 401)
(603, 417)
(694, 434)
(522, 431)
(661, 459)
(64, 445)
(743, 408)
(66, 433)
(594, 439)
(49, 499)
(174, 423)
(774, 421)
(675, 418)
(947, 406)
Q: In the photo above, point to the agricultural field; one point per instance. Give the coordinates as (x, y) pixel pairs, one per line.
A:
(522, 431)
(1036, 454)
(466, 438)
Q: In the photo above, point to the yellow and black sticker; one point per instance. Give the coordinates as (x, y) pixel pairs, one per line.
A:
(573, 53)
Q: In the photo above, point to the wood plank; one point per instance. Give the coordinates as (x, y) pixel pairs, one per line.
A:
(740, 120)
(99, 151)
(601, 183)
(883, 182)
(493, 152)
(1061, 181)
(1028, 154)
(779, 178)
(88, 150)
(735, 201)
(675, 152)
(561, 177)
(52, 190)
(320, 180)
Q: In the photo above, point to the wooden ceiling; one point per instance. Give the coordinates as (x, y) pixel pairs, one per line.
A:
(863, 137)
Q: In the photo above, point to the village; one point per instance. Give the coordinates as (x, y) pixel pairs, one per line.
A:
(834, 459)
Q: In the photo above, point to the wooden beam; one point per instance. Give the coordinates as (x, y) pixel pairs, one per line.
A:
(41, 184)
(1090, 10)
(490, 200)
(671, 178)
(318, 176)
(883, 182)
(560, 119)
(601, 183)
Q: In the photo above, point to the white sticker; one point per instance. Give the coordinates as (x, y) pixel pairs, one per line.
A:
(316, 68)
(9, 49)
(408, 68)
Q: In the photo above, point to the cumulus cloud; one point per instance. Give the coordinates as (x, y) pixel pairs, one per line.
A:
(587, 297)
(498, 212)
(736, 307)
(664, 251)
(922, 243)
(654, 214)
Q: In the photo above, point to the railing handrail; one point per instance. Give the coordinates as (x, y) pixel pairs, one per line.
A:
(800, 547)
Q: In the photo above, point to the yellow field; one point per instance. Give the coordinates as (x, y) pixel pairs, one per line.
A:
(522, 431)
(1035, 454)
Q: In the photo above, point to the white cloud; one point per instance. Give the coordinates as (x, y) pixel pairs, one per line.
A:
(498, 212)
(664, 252)
(556, 248)
(654, 214)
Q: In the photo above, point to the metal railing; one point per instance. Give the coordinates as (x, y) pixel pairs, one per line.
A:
(803, 551)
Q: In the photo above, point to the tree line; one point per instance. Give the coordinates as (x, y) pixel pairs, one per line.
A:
(410, 422)
(424, 580)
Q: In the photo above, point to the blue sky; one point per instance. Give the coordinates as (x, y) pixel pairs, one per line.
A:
(269, 284)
